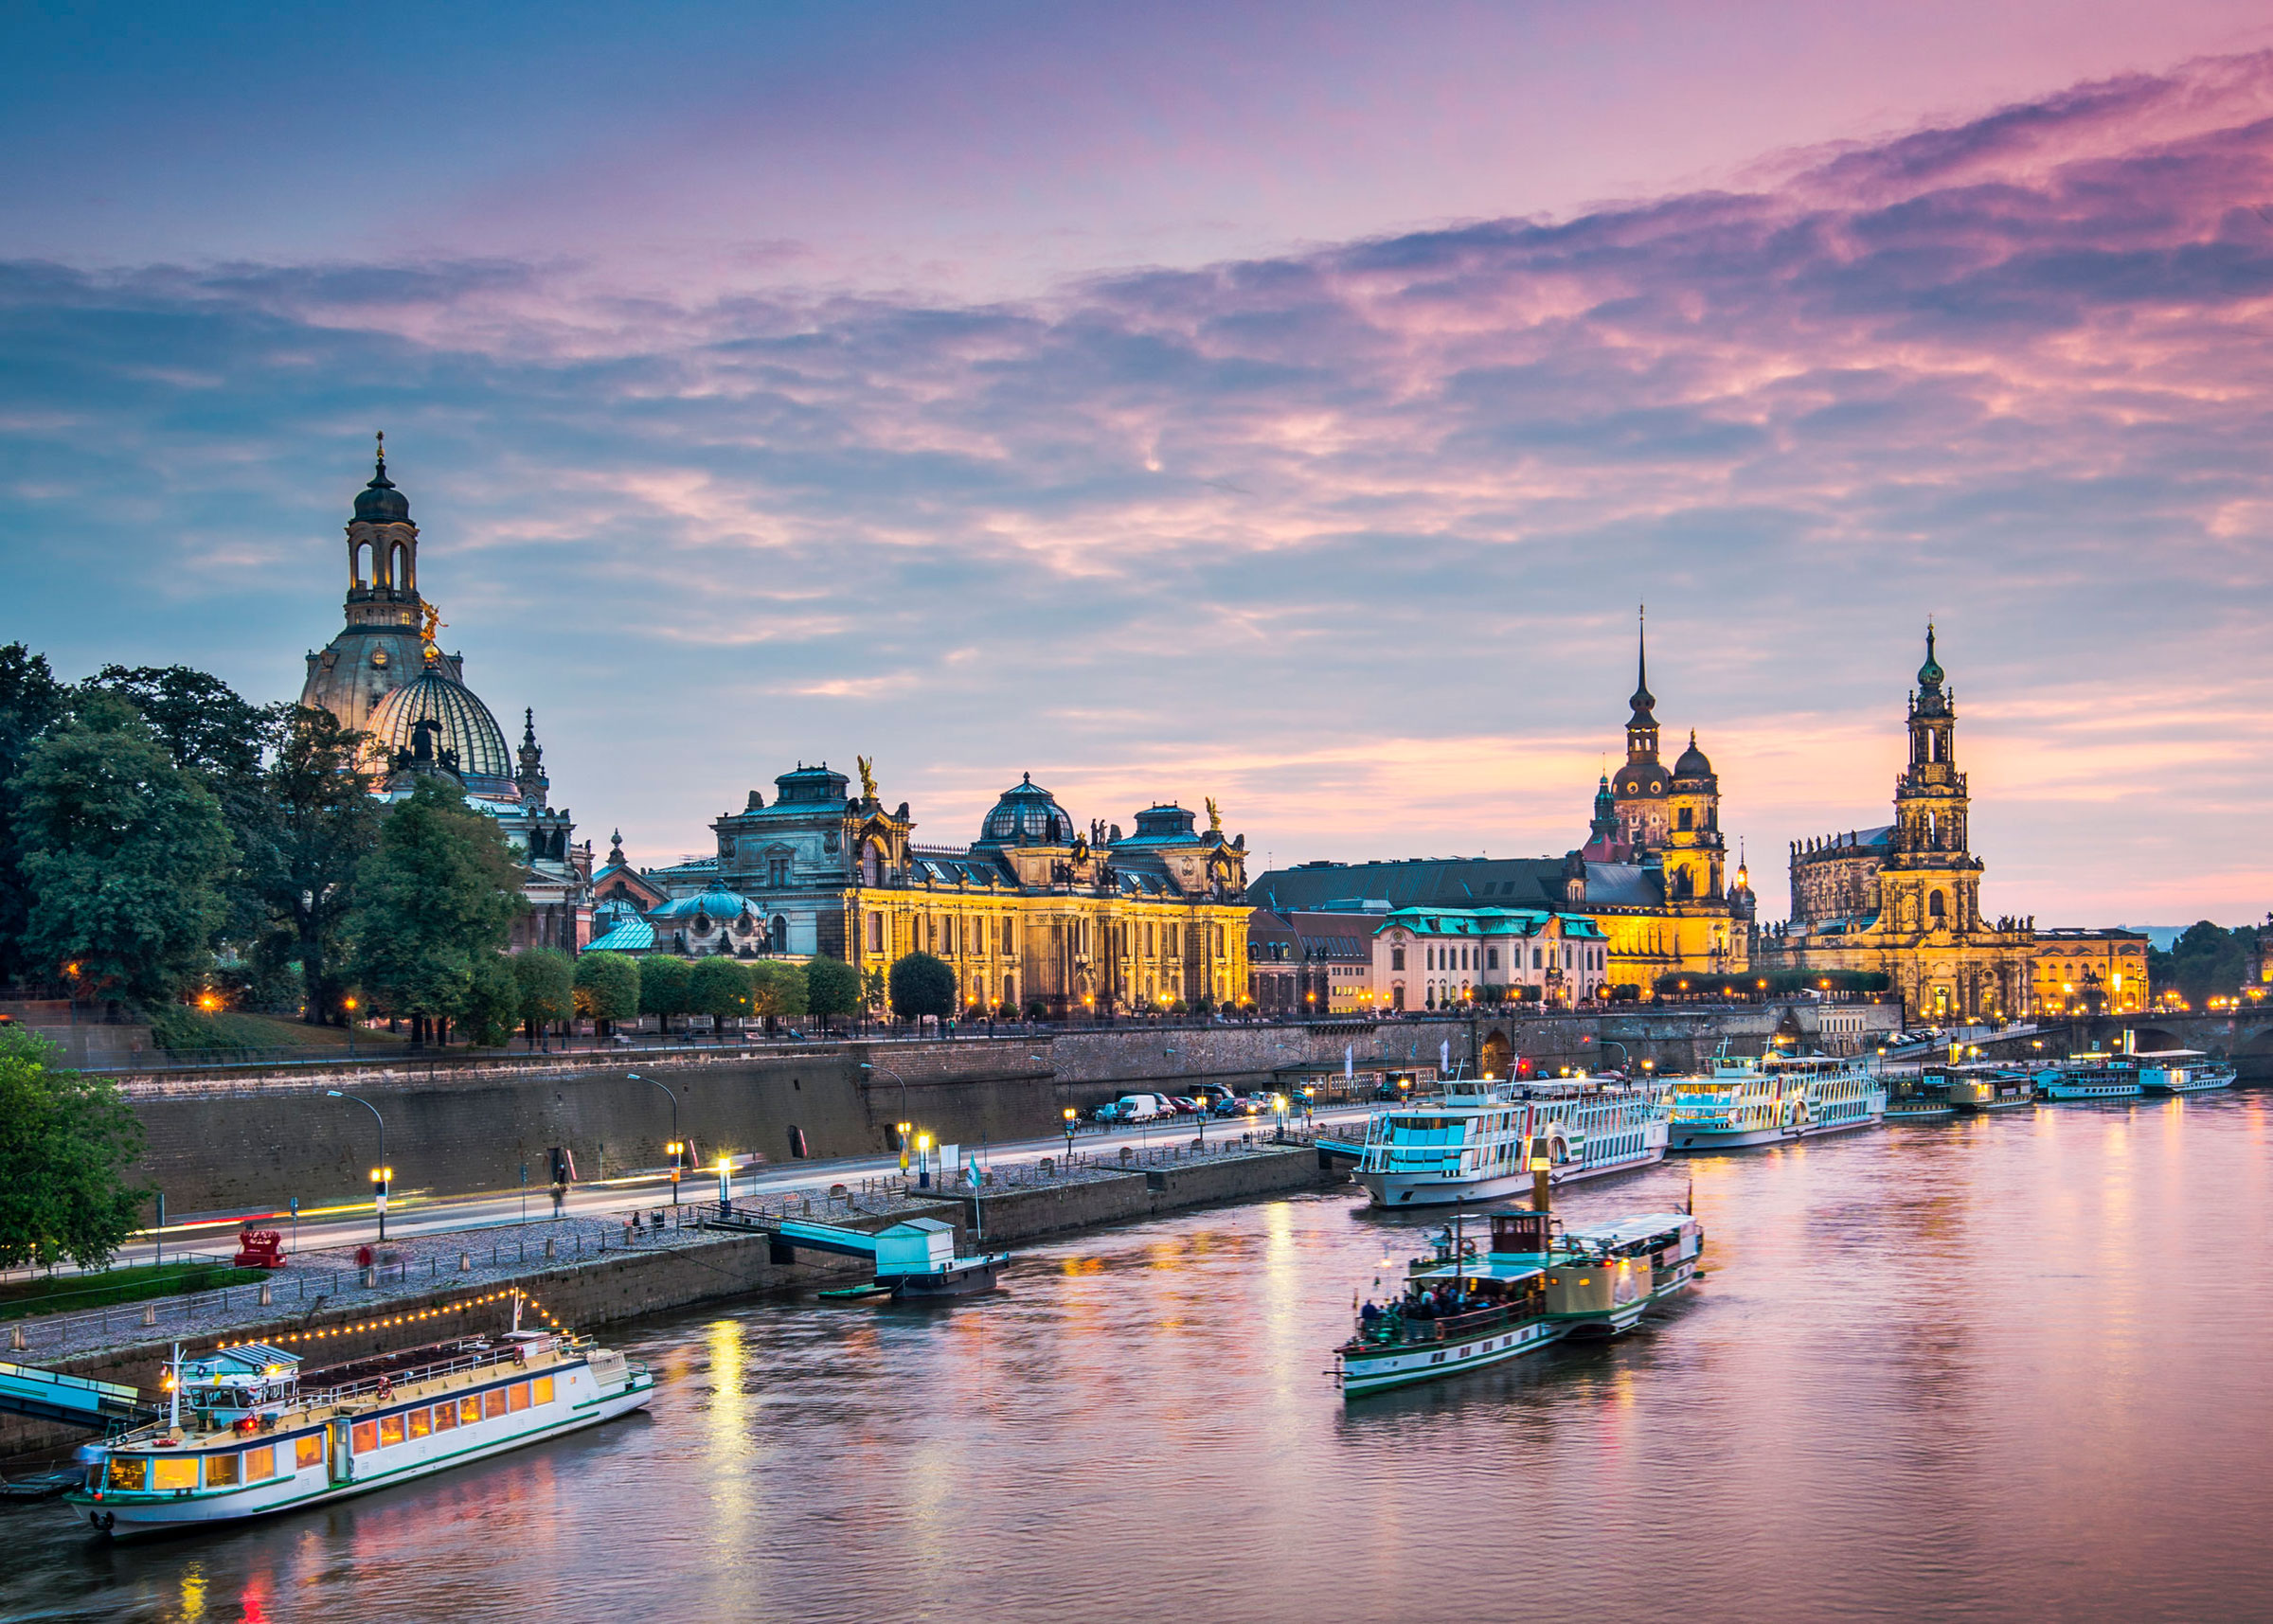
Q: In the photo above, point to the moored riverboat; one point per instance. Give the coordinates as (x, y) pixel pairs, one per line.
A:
(1771, 1100)
(2181, 1071)
(1989, 1087)
(1480, 1141)
(2089, 1077)
(1460, 1310)
(245, 1439)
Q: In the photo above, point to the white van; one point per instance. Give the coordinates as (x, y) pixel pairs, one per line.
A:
(1138, 1108)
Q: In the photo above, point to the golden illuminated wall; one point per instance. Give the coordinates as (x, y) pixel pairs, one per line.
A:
(1075, 952)
(2068, 969)
(1645, 946)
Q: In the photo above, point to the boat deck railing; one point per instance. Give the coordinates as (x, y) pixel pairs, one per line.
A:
(1407, 1332)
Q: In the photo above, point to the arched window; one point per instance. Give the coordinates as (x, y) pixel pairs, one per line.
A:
(1935, 907)
(875, 933)
(778, 935)
(1684, 817)
(1396, 958)
(872, 866)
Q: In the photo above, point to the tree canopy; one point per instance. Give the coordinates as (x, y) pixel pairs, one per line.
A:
(493, 1005)
(719, 987)
(122, 853)
(2207, 961)
(664, 986)
(831, 989)
(437, 898)
(65, 1143)
(780, 991)
(922, 984)
(607, 987)
(32, 700)
(548, 979)
(313, 824)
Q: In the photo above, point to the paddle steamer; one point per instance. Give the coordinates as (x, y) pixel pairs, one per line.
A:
(1768, 1101)
(1479, 1140)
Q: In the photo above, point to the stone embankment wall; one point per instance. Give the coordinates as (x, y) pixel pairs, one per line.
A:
(251, 1138)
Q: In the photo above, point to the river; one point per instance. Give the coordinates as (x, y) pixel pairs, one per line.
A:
(2015, 1366)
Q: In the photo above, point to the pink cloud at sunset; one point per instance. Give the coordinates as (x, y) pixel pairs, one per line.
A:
(1349, 535)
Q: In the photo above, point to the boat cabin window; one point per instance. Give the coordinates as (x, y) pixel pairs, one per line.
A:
(492, 1403)
(445, 1417)
(172, 1471)
(421, 1422)
(390, 1430)
(541, 1390)
(517, 1396)
(468, 1410)
(307, 1451)
(127, 1472)
(260, 1464)
(366, 1436)
(221, 1471)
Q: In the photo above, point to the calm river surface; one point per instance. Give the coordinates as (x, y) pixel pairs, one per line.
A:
(2013, 1367)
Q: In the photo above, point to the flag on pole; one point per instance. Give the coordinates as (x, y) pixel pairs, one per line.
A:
(1444, 1057)
(1349, 1061)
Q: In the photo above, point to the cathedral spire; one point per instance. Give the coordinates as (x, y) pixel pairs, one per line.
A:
(1644, 702)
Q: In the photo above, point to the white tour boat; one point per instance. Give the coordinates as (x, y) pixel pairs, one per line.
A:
(245, 1439)
(1771, 1100)
(2089, 1077)
(1479, 1140)
(2181, 1071)
(1461, 1312)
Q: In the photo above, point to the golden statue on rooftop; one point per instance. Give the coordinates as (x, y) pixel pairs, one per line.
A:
(867, 776)
(434, 623)
(1215, 818)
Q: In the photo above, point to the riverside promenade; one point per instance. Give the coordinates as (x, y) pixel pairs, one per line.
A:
(585, 1271)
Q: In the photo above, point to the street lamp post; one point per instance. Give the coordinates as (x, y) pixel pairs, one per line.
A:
(381, 1175)
(1072, 1116)
(678, 1146)
(351, 1028)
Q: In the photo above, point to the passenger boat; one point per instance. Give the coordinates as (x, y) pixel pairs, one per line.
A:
(1479, 1140)
(1529, 1290)
(245, 1439)
(2181, 1071)
(1990, 1087)
(1768, 1101)
(2089, 1077)
(1915, 1095)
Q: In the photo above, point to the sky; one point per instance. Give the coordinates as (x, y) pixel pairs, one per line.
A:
(1287, 405)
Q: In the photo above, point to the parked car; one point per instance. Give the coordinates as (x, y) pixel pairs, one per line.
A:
(1135, 1108)
(1186, 1107)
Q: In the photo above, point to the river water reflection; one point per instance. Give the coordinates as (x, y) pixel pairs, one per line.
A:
(1987, 1370)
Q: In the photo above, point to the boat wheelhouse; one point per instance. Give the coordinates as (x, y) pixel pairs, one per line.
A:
(1986, 1087)
(1768, 1101)
(245, 1439)
(1479, 1141)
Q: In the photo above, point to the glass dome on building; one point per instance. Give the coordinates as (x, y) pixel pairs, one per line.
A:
(1026, 815)
(462, 726)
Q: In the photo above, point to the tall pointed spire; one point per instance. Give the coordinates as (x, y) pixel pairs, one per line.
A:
(1644, 702)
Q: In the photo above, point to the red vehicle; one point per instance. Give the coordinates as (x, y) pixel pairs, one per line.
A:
(260, 1249)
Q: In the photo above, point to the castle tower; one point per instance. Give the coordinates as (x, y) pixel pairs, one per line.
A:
(1641, 786)
(1929, 888)
(1693, 853)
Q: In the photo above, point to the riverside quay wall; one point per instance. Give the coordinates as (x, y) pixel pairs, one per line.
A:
(251, 1138)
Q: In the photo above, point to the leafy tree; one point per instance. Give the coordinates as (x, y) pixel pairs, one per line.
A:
(547, 981)
(492, 1006)
(719, 987)
(32, 700)
(922, 984)
(831, 989)
(778, 990)
(436, 900)
(607, 988)
(665, 986)
(871, 989)
(123, 852)
(312, 825)
(206, 727)
(65, 1143)
(2207, 961)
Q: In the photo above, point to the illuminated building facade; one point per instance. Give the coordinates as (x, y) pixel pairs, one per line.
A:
(2090, 972)
(1904, 898)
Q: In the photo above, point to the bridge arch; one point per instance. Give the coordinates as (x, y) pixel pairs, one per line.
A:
(1498, 1055)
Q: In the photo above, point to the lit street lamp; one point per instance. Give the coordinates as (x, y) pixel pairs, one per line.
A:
(351, 1005)
(381, 1175)
(1071, 1117)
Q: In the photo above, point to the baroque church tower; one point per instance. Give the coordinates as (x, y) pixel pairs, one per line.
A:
(1640, 787)
(1931, 879)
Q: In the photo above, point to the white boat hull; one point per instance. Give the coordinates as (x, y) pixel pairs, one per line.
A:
(2091, 1091)
(1698, 1141)
(1369, 1372)
(128, 1515)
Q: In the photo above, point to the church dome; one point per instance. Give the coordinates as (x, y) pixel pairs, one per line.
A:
(379, 502)
(1027, 815)
(717, 905)
(1930, 676)
(1693, 762)
(462, 726)
(1637, 778)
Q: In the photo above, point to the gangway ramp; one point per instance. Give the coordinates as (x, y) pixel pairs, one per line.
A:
(75, 1401)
